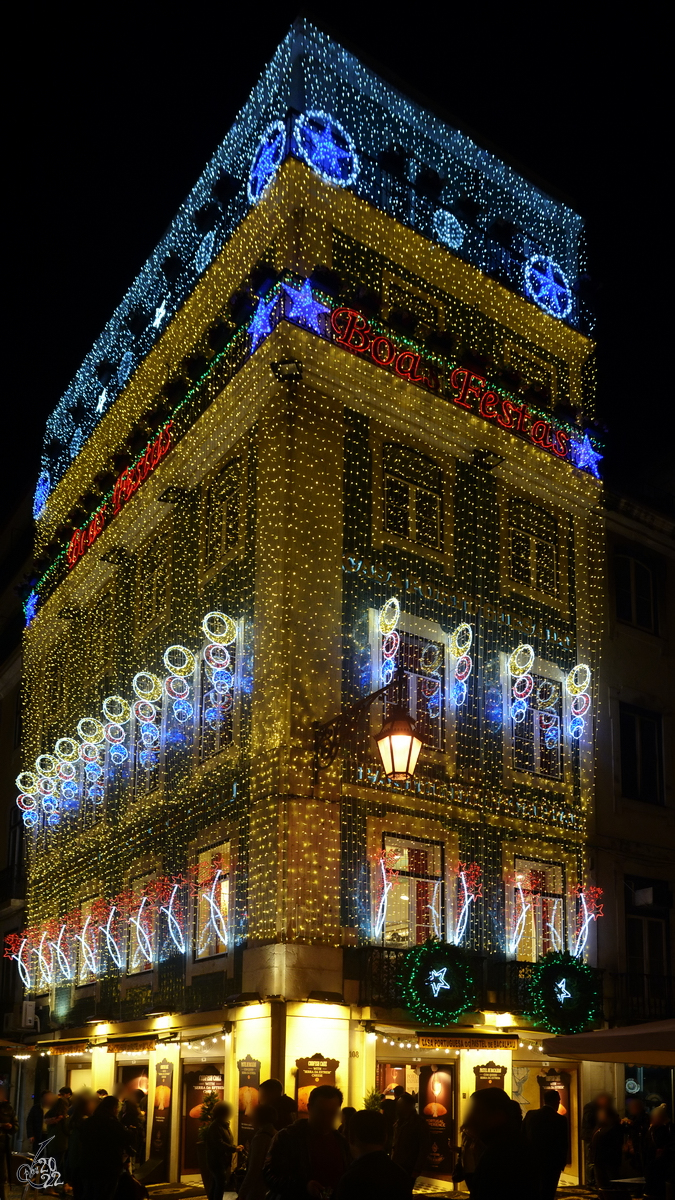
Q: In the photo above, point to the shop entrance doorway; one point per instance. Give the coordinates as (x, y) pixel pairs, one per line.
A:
(78, 1075)
(433, 1088)
(203, 1086)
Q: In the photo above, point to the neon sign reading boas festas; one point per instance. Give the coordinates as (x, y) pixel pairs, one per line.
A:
(128, 482)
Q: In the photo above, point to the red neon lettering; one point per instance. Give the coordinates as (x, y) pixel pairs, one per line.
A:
(467, 387)
(524, 418)
(352, 330)
(509, 410)
(560, 443)
(488, 405)
(539, 432)
(406, 364)
(382, 351)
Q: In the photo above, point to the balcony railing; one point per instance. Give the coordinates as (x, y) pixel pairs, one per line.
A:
(635, 998)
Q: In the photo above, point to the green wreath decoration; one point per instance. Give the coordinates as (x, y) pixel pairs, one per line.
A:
(563, 994)
(436, 982)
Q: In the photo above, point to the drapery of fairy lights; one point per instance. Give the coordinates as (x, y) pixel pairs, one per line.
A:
(385, 879)
(469, 889)
(461, 639)
(77, 771)
(523, 906)
(589, 909)
(577, 684)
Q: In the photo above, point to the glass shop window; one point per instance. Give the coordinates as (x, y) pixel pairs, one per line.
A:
(222, 505)
(213, 901)
(537, 723)
(634, 593)
(415, 900)
(538, 909)
(413, 496)
(424, 664)
(87, 945)
(152, 591)
(141, 938)
(533, 548)
(641, 754)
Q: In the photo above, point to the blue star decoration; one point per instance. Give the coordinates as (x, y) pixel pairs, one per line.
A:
(305, 310)
(438, 982)
(561, 992)
(261, 326)
(584, 456)
(266, 160)
(546, 284)
(327, 148)
(31, 606)
(41, 494)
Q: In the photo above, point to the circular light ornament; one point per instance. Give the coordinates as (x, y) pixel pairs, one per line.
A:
(459, 692)
(391, 644)
(47, 786)
(30, 819)
(67, 771)
(448, 229)
(430, 688)
(216, 655)
(149, 734)
(46, 764)
(221, 680)
(578, 679)
(547, 284)
(518, 711)
(460, 640)
(118, 755)
(114, 733)
(182, 710)
(547, 693)
(147, 686)
(577, 726)
(116, 709)
(327, 148)
(219, 628)
(463, 668)
(27, 782)
(144, 711)
(521, 659)
(389, 615)
(89, 752)
(430, 658)
(267, 159)
(580, 704)
(387, 672)
(177, 687)
(26, 803)
(90, 730)
(179, 661)
(522, 688)
(67, 749)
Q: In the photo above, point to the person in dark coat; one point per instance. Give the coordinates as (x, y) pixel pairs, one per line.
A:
(57, 1124)
(220, 1149)
(35, 1121)
(411, 1138)
(105, 1149)
(253, 1186)
(373, 1176)
(502, 1171)
(310, 1157)
(271, 1092)
(607, 1147)
(589, 1124)
(635, 1129)
(8, 1127)
(131, 1119)
(83, 1107)
(659, 1154)
(547, 1141)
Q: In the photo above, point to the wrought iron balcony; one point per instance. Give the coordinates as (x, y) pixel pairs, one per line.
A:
(500, 984)
(636, 998)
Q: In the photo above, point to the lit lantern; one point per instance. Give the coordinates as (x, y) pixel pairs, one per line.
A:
(399, 745)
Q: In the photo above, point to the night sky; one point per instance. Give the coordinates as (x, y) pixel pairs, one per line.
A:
(110, 126)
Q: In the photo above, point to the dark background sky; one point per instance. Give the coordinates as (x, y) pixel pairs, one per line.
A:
(114, 114)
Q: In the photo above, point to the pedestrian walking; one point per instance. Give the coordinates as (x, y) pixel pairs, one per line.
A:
(310, 1157)
(373, 1175)
(83, 1107)
(105, 1150)
(253, 1186)
(411, 1138)
(659, 1154)
(607, 1147)
(502, 1171)
(547, 1139)
(220, 1149)
(271, 1092)
(8, 1127)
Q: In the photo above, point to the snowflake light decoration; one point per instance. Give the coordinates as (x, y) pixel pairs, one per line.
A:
(327, 148)
(547, 284)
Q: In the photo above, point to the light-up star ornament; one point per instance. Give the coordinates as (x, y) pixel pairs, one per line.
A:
(305, 310)
(42, 490)
(546, 284)
(438, 982)
(327, 148)
(160, 313)
(584, 456)
(561, 992)
(102, 401)
(261, 325)
(266, 160)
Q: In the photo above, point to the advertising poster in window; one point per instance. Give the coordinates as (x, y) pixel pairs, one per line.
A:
(203, 1086)
(489, 1075)
(313, 1072)
(436, 1093)
(160, 1137)
(249, 1083)
(558, 1081)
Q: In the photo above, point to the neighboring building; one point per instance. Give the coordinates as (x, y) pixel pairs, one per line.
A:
(633, 833)
(338, 425)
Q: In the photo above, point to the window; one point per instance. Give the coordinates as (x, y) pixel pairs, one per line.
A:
(222, 514)
(533, 548)
(213, 901)
(646, 946)
(634, 593)
(538, 909)
(424, 663)
(415, 900)
(537, 730)
(153, 582)
(15, 842)
(413, 496)
(141, 927)
(641, 755)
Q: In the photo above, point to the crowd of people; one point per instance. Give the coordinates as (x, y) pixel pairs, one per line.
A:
(337, 1153)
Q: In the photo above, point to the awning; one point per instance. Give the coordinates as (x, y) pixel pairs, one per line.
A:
(650, 1045)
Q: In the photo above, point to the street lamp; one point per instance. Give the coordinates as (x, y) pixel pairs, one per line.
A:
(397, 742)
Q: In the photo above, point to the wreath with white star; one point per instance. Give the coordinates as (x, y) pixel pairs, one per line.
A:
(563, 994)
(436, 982)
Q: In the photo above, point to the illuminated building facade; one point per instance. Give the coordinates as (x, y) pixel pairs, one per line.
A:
(338, 424)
